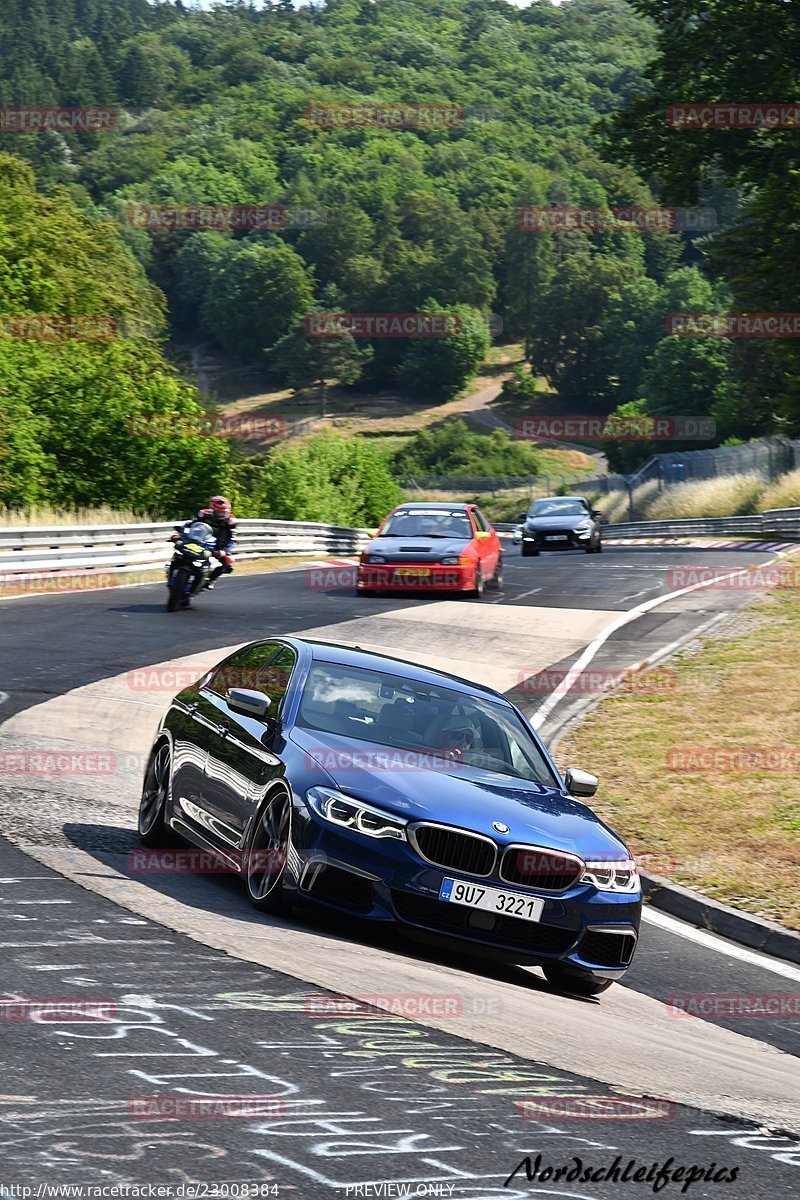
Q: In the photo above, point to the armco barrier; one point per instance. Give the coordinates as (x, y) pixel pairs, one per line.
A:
(776, 523)
(126, 548)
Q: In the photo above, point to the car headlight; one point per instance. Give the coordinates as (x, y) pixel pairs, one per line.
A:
(613, 875)
(372, 558)
(584, 527)
(452, 561)
(355, 814)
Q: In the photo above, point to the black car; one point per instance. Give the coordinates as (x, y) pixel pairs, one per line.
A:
(560, 523)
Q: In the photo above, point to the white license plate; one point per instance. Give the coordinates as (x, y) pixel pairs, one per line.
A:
(556, 537)
(475, 895)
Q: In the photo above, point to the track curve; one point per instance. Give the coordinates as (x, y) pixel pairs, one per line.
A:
(550, 610)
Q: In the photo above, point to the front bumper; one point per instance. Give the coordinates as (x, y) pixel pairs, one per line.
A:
(385, 881)
(557, 539)
(415, 576)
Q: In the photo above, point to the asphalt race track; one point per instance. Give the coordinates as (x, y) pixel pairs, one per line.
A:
(192, 972)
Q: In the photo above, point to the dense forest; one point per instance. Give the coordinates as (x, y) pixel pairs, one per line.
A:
(547, 107)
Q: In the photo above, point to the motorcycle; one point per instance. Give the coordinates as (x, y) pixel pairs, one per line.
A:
(193, 552)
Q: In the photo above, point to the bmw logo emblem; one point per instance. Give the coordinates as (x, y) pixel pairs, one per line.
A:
(499, 827)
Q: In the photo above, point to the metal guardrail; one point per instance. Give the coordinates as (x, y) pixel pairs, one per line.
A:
(127, 548)
(775, 523)
(783, 523)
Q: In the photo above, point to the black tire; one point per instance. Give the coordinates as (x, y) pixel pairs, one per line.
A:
(177, 589)
(496, 582)
(477, 591)
(155, 795)
(577, 984)
(265, 856)
(599, 549)
(366, 592)
(529, 551)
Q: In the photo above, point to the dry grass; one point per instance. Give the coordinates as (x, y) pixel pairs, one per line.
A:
(615, 506)
(43, 515)
(730, 830)
(727, 496)
(783, 493)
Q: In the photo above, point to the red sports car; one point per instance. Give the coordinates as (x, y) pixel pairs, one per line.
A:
(436, 547)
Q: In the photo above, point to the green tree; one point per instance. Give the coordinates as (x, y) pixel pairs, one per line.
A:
(305, 362)
(343, 481)
(442, 366)
(455, 449)
(261, 289)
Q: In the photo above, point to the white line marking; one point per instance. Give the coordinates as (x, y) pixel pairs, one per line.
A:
(91, 941)
(547, 706)
(711, 941)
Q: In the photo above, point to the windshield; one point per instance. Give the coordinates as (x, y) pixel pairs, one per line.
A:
(559, 507)
(434, 522)
(459, 731)
(198, 531)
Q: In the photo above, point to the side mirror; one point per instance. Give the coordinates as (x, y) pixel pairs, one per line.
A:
(581, 783)
(523, 516)
(247, 702)
(598, 516)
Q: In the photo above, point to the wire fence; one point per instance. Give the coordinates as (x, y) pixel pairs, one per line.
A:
(473, 484)
(769, 458)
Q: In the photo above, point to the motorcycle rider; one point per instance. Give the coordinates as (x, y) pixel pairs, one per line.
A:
(223, 523)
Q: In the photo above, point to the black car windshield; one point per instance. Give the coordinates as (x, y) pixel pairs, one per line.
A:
(449, 731)
(558, 507)
(428, 523)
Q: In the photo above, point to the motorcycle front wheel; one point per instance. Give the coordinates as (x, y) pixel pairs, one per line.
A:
(178, 588)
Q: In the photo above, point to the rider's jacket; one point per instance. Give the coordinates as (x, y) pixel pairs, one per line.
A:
(224, 527)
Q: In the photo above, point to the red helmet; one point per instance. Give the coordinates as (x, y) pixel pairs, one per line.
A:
(221, 506)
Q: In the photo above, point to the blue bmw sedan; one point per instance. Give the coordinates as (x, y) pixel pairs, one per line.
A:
(339, 779)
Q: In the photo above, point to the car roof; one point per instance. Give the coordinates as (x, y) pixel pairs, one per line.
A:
(539, 499)
(442, 504)
(355, 656)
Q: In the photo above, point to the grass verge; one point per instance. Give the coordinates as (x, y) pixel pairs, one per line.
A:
(726, 822)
